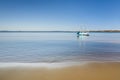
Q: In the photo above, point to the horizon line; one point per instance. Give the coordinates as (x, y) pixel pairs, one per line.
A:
(59, 30)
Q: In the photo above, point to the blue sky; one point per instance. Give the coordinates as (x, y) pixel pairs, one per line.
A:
(59, 14)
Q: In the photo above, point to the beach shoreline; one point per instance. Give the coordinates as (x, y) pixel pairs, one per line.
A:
(59, 71)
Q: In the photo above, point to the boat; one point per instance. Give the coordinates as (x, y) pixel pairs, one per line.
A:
(82, 34)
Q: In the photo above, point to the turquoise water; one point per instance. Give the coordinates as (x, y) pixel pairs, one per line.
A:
(59, 47)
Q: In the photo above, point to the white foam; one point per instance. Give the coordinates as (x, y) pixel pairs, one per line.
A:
(37, 65)
(47, 65)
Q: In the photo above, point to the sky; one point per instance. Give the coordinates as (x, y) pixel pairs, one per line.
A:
(59, 14)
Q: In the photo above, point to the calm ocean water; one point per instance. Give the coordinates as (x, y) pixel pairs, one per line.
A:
(59, 47)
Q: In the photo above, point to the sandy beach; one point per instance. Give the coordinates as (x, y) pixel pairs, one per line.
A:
(89, 71)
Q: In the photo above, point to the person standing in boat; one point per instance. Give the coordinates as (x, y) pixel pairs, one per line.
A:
(78, 33)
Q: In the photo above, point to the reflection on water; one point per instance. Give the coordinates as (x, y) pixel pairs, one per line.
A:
(59, 47)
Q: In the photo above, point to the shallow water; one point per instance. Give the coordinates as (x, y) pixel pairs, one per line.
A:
(59, 47)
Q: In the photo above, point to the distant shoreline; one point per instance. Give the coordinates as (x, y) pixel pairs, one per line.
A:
(58, 31)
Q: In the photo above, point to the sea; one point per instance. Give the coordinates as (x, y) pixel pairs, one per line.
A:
(57, 47)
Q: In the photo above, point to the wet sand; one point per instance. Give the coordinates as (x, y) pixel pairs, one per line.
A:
(89, 71)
